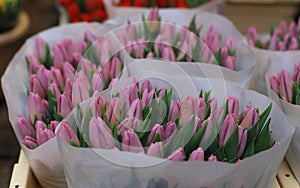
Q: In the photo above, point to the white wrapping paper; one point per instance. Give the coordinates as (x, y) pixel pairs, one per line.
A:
(292, 111)
(44, 160)
(245, 56)
(88, 167)
(115, 11)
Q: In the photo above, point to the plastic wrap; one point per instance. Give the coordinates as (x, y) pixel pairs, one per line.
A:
(89, 167)
(292, 111)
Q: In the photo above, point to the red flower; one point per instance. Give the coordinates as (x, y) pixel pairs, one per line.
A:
(73, 10)
(90, 5)
(65, 2)
(86, 17)
(100, 15)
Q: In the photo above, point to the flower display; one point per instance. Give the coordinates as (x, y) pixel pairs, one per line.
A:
(164, 40)
(60, 79)
(146, 120)
(284, 37)
(162, 4)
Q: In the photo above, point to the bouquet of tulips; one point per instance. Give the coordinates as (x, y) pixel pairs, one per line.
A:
(53, 75)
(83, 10)
(147, 120)
(283, 40)
(282, 80)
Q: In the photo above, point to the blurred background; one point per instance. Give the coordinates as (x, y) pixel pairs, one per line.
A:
(24, 18)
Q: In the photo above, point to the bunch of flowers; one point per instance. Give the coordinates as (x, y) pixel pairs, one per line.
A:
(162, 40)
(282, 38)
(55, 87)
(286, 86)
(146, 120)
(162, 4)
(85, 10)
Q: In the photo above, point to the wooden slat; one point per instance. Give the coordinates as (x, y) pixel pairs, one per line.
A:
(285, 176)
(275, 184)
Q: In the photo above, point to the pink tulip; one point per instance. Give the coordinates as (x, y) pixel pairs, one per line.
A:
(161, 93)
(156, 150)
(64, 105)
(25, 127)
(212, 158)
(89, 36)
(113, 82)
(202, 108)
(46, 108)
(208, 129)
(285, 85)
(168, 31)
(116, 68)
(81, 87)
(147, 97)
(69, 87)
(167, 53)
(100, 135)
(100, 102)
(274, 39)
(67, 134)
(281, 46)
(113, 111)
(36, 107)
(30, 142)
(56, 76)
(242, 141)
(34, 63)
(227, 61)
(213, 104)
(40, 48)
(97, 82)
(294, 43)
(135, 109)
(36, 86)
(131, 142)
(153, 20)
(227, 129)
(40, 125)
(76, 58)
(82, 46)
(283, 28)
(233, 105)
(214, 42)
(87, 67)
(146, 85)
(43, 135)
(197, 155)
(131, 31)
(274, 84)
(252, 34)
(157, 44)
(230, 44)
(128, 123)
(170, 129)
(53, 125)
(150, 55)
(293, 30)
(249, 117)
(54, 89)
(68, 71)
(156, 130)
(296, 75)
(43, 75)
(58, 57)
(177, 155)
(188, 108)
(174, 110)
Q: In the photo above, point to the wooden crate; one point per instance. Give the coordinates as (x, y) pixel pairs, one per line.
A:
(22, 177)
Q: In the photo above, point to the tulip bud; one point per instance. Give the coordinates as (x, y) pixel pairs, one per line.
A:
(230, 44)
(87, 67)
(161, 93)
(76, 57)
(53, 125)
(188, 108)
(252, 34)
(208, 129)
(156, 130)
(113, 111)
(64, 105)
(233, 105)
(43, 135)
(30, 142)
(100, 102)
(202, 108)
(170, 129)
(213, 104)
(131, 142)
(146, 85)
(274, 39)
(149, 55)
(283, 27)
(135, 109)
(212, 158)
(227, 128)
(285, 85)
(36, 86)
(97, 82)
(293, 44)
(67, 134)
(126, 124)
(177, 155)
(36, 108)
(296, 75)
(281, 46)
(68, 71)
(113, 82)
(156, 150)
(58, 57)
(174, 110)
(34, 63)
(116, 68)
(43, 75)
(68, 87)
(89, 36)
(249, 117)
(40, 48)
(81, 87)
(56, 76)
(168, 31)
(147, 97)
(157, 44)
(197, 155)
(167, 53)
(153, 20)
(100, 135)
(242, 141)
(25, 127)
(131, 31)
(40, 125)
(214, 42)
(106, 71)
(274, 84)
(54, 89)
(293, 30)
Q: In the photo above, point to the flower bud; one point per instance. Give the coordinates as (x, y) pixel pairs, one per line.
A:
(249, 117)
(197, 155)
(36, 107)
(177, 155)
(233, 105)
(156, 150)
(131, 142)
(156, 130)
(170, 129)
(56, 76)
(36, 86)
(30, 142)
(67, 134)
(81, 87)
(68, 87)
(212, 158)
(68, 71)
(40, 48)
(146, 85)
(116, 68)
(53, 125)
(100, 135)
(43, 135)
(274, 84)
(98, 82)
(25, 127)
(227, 129)
(64, 105)
(100, 102)
(285, 85)
(174, 110)
(153, 20)
(135, 109)
(242, 141)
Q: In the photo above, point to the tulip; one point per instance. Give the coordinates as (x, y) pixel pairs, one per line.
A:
(252, 34)
(213, 104)
(233, 105)
(116, 68)
(68, 87)
(100, 135)
(230, 44)
(208, 129)
(177, 155)
(197, 155)
(64, 105)
(82, 47)
(58, 57)
(205, 53)
(285, 85)
(202, 108)
(113, 111)
(281, 46)
(153, 21)
(36, 86)
(296, 75)
(53, 125)
(68, 71)
(40, 48)
(214, 42)
(43, 75)
(161, 93)
(212, 158)
(294, 44)
(89, 36)
(149, 55)
(156, 150)
(100, 102)
(131, 31)
(25, 127)
(56, 76)
(40, 125)
(87, 67)
(168, 31)
(156, 130)
(184, 50)
(184, 30)
(249, 117)
(81, 87)
(54, 89)
(274, 84)
(170, 129)
(283, 28)
(167, 53)
(293, 30)
(274, 39)
(135, 109)
(113, 82)
(67, 134)
(43, 135)
(227, 128)
(76, 57)
(131, 142)
(174, 110)
(157, 44)
(146, 85)
(106, 71)
(147, 97)
(30, 142)
(97, 82)
(36, 107)
(34, 63)
(242, 141)
(188, 108)
(46, 108)
(126, 124)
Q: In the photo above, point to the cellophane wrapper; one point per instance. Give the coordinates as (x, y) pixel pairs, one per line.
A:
(44, 160)
(245, 56)
(292, 111)
(90, 167)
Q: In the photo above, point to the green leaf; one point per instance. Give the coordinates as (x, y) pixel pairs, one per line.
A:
(214, 146)
(263, 141)
(249, 151)
(158, 112)
(48, 62)
(156, 138)
(86, 123)
(263, 117)
(252, 133)
(231, 146)
(72, 143)
(220, 154)
(192, 24)
(52, 101)
(195, 141)
(218, 56)
(205, 144)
